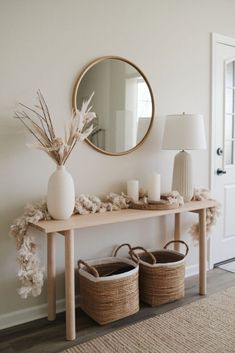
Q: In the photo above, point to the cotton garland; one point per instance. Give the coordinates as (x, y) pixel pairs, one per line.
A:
(212, 213)
(31, 273)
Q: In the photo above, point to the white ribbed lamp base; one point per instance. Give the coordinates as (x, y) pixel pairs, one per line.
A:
(182, 175)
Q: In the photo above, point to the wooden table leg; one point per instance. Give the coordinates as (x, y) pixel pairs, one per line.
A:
(51, 276)
(177, 232)
(69, 285)
(202, 252)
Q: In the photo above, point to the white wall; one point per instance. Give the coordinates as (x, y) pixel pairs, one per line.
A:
(45, 44)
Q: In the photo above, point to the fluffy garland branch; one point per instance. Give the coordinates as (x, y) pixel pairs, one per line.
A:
(212, 213)
(30, 271)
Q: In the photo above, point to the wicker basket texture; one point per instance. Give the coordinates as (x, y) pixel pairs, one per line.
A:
(161, 281)
(114, 292)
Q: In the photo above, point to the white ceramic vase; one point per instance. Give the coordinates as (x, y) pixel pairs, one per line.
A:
(60, 194)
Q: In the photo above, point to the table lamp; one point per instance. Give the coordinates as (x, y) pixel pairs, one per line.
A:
(184, 132)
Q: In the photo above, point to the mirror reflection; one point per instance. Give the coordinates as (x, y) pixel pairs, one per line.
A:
(123, 103)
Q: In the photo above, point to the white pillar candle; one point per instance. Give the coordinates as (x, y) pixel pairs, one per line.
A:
(154, 187)
(133, 190)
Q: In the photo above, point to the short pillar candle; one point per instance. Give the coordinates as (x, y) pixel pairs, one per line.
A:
(154, 187)
(133, 190)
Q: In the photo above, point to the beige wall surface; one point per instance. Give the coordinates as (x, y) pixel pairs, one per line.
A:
(45, 44)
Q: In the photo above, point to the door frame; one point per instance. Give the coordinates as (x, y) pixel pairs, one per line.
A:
(215, 39)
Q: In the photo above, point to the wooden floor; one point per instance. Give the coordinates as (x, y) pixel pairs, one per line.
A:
(41, 336)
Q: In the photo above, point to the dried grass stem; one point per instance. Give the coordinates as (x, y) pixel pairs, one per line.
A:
(40, 125)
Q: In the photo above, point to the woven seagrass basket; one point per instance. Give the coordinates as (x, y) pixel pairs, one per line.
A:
(161, 274)
(109, 288)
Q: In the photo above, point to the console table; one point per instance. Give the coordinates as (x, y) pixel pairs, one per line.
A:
(66, 228)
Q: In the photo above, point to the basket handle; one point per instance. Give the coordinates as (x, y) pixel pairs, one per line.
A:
(178, 241)
(92, 269)
(119, 247)
(136, 256)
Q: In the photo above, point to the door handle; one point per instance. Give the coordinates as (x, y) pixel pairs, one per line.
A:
(220, 171)
(219, 151)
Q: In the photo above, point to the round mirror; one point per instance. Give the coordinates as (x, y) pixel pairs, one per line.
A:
(123, 103)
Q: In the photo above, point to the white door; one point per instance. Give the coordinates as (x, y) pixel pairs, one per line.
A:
(223, 125)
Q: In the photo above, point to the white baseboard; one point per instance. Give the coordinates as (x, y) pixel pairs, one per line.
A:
(25, 315)
(193, 270)
(37, 312)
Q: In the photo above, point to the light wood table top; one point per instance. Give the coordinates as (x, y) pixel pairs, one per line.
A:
(92, 220)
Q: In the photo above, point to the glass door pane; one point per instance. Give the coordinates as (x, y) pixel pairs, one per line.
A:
(229, 113)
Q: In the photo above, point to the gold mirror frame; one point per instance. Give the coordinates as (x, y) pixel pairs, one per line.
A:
(74, 101)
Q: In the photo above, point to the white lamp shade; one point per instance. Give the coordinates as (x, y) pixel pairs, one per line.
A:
(184, 132)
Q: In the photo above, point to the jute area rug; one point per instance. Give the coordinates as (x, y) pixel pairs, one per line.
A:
(205, 326)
